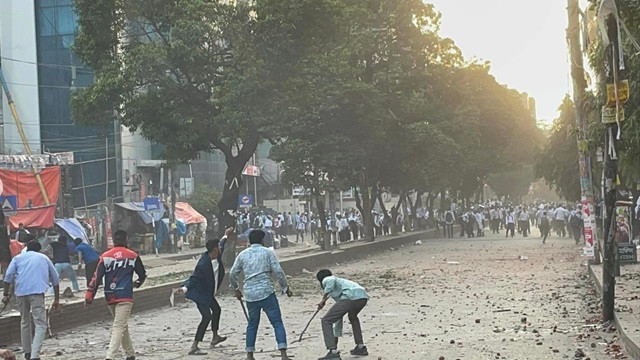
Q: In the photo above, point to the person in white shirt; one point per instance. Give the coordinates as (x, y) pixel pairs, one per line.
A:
(495, 220)
(544, 223)
(510, 220)
(480, 221)
(300, 231)
(268, 223)
(559, 221)
(523, 221)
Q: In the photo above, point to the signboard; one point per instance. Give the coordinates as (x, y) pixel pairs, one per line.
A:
(251, 170)
(186, 187)
(300, 191)
(589, 252)
(9, 205)
(245, 201)
(38, 160)
(609, 115)
(151, 203)
(349, 194)
(627, 253)
(623, 93)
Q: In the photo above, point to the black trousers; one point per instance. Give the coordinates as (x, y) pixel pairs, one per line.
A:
(510, 228)
(210, 314)
(89, 271)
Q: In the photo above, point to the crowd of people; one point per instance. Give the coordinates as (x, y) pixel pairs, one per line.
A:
(473, 220)
(495, 216)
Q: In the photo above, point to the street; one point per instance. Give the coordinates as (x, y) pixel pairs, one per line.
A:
(480, 298)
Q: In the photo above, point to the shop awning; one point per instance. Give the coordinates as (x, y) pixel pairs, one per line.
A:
(138, 207)
(188, 214)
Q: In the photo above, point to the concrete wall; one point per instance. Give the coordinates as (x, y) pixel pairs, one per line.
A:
(19, 58)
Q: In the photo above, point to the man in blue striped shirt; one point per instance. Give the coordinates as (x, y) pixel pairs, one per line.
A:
(258, 263)
(32, 272)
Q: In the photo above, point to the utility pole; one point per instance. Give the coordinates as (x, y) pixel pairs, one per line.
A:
(579, 88)
(610, 177)
(172, 204)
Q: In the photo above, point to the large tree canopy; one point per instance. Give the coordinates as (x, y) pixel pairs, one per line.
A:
(363, 94)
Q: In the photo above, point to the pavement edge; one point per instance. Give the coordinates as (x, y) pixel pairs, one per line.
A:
(622, 324)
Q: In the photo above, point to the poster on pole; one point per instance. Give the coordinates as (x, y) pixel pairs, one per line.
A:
(589, 222)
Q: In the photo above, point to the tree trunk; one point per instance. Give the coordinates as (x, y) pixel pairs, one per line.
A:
(395, 211)
(325, 244)
(414, 209)
(228, 204)
(364, 201)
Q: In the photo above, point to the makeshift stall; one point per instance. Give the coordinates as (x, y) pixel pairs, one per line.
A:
(138, 224)
(163, 231)
(195, 222)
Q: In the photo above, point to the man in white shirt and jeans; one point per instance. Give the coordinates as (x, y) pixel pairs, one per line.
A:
(31, 272)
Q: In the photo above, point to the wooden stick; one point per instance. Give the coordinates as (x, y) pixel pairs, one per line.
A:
(309, 323)
(244, 309)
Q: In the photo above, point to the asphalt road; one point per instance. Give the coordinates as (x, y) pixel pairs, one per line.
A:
(482, 298)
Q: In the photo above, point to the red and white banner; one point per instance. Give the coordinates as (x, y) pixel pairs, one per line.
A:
(32, 209)
(251, 170)
(589, 221)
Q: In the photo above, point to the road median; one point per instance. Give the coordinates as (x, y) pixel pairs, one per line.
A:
(74, 314)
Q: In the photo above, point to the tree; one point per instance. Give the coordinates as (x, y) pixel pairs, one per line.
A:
(205, 200)
(512, 184)
(557, 162)
(192, 75)
(629, 144)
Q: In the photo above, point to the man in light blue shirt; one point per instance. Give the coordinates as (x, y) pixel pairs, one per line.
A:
(350, 299)
(32, 272)
(258, 263)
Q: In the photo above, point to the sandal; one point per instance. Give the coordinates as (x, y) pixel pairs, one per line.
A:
(197, 351)
(217, 340)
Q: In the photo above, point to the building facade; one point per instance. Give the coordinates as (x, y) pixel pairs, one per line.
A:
(42, 71)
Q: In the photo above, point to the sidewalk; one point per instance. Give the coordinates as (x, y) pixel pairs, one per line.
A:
(627, 304)
(152, 296)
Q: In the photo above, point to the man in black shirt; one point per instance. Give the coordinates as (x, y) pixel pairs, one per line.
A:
(62, 262)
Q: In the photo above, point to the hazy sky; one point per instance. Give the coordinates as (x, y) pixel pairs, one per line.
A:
(523, 39)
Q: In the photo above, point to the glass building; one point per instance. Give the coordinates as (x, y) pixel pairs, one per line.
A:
(96, 172)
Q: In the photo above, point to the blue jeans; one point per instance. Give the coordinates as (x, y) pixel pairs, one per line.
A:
(66, 271)
(272, 309)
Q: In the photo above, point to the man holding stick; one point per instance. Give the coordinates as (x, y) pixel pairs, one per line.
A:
(258, 263)
(350, 299)
(31, 273)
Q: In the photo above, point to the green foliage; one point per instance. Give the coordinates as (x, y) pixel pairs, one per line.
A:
(629, 144)
(557, 163)
(513, 184)
(204, 200)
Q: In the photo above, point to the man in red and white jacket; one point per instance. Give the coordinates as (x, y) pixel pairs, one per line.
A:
(117, 267)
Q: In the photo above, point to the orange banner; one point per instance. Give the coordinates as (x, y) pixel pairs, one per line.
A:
(32, 211)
